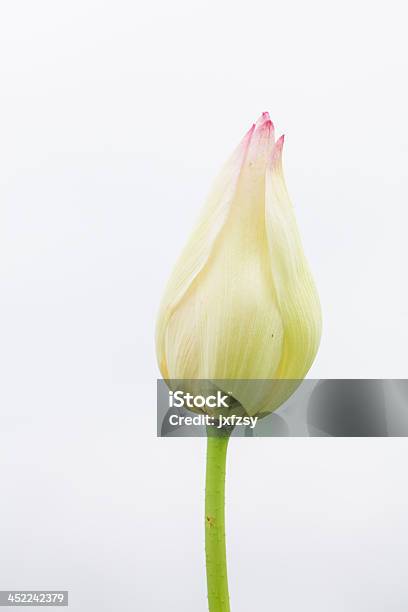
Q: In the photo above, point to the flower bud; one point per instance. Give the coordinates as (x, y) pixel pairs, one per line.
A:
(241, 303)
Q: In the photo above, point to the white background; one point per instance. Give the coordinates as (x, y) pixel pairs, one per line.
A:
(114, 119)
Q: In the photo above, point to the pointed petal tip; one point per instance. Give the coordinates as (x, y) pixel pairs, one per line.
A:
(264, 121)
(277, 150)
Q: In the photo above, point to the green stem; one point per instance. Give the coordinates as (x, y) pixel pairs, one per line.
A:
(216, 559)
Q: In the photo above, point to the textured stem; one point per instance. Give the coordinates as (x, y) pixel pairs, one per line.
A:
(216, 560)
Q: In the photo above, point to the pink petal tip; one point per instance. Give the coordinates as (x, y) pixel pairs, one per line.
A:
(280, 141)
(277, 150)
(264, 121)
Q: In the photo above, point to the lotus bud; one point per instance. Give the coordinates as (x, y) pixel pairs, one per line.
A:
(241, 304)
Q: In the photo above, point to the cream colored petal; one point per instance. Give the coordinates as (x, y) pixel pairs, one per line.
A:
(198, 249)
(296, 294)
